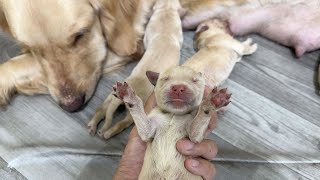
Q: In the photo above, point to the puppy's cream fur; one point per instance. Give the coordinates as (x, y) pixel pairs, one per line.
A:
(163, 41)
(218, 52)
(175, 117)
(65, 54)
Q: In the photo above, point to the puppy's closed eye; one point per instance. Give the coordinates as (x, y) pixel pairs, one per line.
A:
(165, 78)
(195, 80)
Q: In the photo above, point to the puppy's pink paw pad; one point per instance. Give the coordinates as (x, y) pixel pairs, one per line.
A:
(120, 90)
(220, 98)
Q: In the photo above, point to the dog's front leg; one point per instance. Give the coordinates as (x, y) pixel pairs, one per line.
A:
(134, 104)
(22, 74)
(216, 100)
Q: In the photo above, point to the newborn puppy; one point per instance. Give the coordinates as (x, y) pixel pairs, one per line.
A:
(218, 51)
(181, 112)
(296, 25)
(163, 40)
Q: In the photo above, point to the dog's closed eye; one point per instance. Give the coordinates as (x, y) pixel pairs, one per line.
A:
(78, 37)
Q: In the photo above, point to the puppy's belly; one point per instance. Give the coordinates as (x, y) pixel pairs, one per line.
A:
(162, 160)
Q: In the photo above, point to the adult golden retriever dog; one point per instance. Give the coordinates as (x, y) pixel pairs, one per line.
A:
(64, 45)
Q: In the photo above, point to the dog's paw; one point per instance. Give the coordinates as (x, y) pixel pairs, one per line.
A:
(125, 93)
(219, 98)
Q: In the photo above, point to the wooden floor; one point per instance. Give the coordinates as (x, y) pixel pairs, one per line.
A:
(271, 130)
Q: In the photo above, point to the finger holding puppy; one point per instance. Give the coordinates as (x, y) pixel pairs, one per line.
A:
(201, 167)
(206, 149)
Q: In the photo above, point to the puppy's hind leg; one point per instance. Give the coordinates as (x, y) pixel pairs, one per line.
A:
(113, 106)
(106, 110)
(98, 116)
(118, 127)
(249, 47)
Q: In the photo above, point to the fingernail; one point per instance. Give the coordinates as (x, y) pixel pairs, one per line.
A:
(188, 145)
(194, 163)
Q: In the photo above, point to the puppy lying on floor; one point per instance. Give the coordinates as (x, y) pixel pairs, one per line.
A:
(65, 55)
(163, 40)
(218, 52)
(181, 112)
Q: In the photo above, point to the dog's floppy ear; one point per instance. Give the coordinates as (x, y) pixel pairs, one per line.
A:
(153, 77)
(117, 19)
(3, 21)
(96, 4)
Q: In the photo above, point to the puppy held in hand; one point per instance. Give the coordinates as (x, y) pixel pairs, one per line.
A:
(218, 51)
(181, 112)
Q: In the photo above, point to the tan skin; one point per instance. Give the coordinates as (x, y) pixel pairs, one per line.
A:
(199, 154)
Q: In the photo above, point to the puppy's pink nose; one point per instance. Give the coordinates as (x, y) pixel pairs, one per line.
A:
(178, 89)
(72, 103)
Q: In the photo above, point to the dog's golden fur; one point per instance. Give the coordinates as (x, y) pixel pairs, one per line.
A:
(65, 53)
(120, 20)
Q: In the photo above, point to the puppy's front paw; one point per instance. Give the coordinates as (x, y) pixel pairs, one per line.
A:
(220, 98)
(125, 93)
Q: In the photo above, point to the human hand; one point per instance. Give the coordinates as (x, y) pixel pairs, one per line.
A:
(132, 159)
(198, 161)
(199, 156)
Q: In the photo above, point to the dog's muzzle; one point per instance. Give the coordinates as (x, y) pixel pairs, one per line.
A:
(72, 103)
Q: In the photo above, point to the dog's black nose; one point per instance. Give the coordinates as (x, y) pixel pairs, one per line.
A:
(72, 103)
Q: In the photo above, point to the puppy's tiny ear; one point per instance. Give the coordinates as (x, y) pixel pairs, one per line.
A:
(202, 28)
(153, 77)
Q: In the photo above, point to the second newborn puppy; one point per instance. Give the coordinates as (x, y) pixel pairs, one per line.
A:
(181, 112)
(218, 51)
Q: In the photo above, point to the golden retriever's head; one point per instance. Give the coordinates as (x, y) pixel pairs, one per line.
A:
(65, 37)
